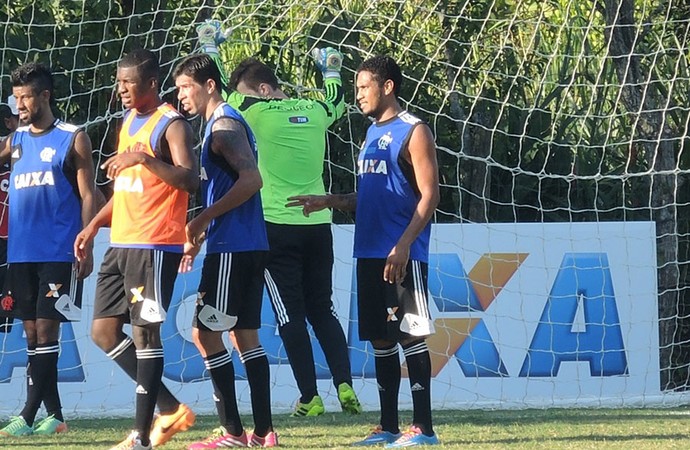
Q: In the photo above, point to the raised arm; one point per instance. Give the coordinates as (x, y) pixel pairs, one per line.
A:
(329, 61)
(210, 36)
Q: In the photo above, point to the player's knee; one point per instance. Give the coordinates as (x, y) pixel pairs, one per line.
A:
(208, 342)
(146, 337)
(106, 333)
(246, 340)
(381, 344)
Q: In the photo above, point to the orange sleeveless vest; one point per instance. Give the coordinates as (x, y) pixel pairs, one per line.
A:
(146, 210)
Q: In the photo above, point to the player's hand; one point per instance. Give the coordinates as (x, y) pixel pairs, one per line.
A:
(329, 61)
(211, 35)
(196, 230)
(309, 203)
(187, 261)
(84, 266)
(395, 269)
(83, 243)
(122, 161)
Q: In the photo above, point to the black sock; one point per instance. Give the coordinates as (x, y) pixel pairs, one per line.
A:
(51, 395)
(149, 372)
(43, 374)
(258, 375)
(125, 356)
(419, 371)
(297, 344)
(223, 378)
(30, 355)
(388, 375)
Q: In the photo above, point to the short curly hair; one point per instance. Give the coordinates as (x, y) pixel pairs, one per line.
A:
(383, 68)
(35, 75)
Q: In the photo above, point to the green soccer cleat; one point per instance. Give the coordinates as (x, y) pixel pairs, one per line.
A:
(50, 425)
(311, 409)
(16, 427)
(348, 399)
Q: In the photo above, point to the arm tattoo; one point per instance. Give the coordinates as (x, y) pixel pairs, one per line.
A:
(231, 142)
(346, 202)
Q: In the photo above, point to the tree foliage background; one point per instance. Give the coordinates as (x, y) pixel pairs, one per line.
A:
(543, 110)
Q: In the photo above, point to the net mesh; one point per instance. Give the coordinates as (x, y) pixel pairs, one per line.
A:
(543, 111)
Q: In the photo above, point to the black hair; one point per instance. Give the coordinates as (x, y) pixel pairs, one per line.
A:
(33, 74)
(383, 68)
(200, 68)
(145, 61)
(252, 72)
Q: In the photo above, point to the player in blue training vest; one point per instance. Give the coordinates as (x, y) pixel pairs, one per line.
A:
(53, 196)
(231, 286)
(218, 177)
(398, 191)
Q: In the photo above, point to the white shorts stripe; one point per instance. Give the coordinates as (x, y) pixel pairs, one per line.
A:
(419, 294)
(277, 302)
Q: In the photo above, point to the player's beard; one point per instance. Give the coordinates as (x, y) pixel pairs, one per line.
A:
(36, 115)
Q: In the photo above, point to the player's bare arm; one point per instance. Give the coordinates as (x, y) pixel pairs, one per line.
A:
(421, 154)
(84, 240)
(182, 174)
(313, 203)
(229, 140)
(5, 148)
(91, 198)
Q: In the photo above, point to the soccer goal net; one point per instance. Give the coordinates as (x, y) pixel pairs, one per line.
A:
(559, 260)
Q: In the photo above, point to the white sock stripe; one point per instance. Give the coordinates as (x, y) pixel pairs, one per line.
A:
(218, 361)
(385, 352)
(120, 348)
(48, 350)
(258, 352)
(416, 349)
(276, 300)
(150, 353)
(31, 352)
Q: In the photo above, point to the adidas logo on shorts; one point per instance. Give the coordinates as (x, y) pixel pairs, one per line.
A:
(141, 390)
(417, 387)
(212, 319)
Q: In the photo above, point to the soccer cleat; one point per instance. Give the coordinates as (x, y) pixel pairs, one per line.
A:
(50, 425)
(412, 438)
(270, 440)
(167, 425)
(348, 399)
(376, 437)
(221, 439)
(132, 442)
(311, 409)
(16, 427)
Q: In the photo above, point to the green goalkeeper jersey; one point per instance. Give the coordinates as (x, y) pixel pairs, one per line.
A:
(291, 145)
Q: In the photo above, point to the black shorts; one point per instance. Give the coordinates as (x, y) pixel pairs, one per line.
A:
(136, 283)
(230, 291)
(392, 312)
(47, 290)
(299, 271)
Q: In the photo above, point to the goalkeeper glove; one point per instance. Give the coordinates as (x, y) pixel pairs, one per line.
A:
(211, 36)
(329, 61)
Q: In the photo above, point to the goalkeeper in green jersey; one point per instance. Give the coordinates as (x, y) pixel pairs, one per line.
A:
(291, 145)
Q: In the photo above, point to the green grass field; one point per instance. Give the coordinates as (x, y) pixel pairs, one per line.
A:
(529, 429)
